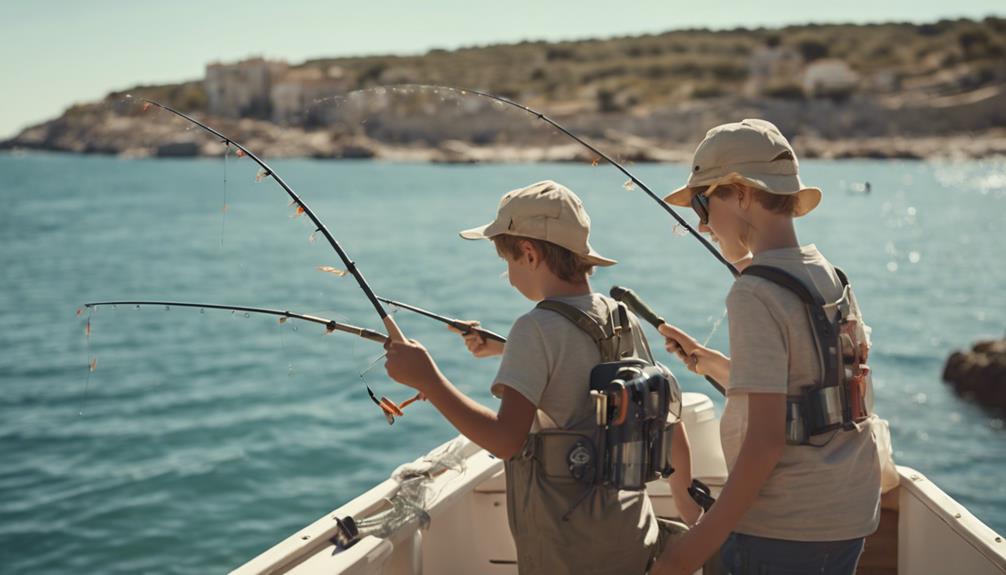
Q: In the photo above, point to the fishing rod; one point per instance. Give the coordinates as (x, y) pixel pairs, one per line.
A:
(457, 324)
(394, 332)
(330, 325)
(390, 408)
(641, 309)
(716, 253)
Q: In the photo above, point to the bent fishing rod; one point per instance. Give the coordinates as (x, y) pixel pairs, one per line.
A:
(712, 249)
(393, 330)
(390, 408)
(490, 335)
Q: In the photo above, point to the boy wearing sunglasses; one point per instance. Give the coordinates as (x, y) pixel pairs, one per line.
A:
(788, 506)
(559, 525)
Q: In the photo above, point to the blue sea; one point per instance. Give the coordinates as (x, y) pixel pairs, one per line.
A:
(202, 437)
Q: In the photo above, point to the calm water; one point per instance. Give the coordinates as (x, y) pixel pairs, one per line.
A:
(204, 438)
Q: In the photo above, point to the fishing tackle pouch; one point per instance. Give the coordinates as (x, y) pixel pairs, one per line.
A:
(637, 403)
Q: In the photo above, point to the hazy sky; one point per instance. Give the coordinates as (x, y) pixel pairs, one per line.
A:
(55, 53)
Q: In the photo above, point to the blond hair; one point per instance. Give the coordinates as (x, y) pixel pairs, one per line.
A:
(784, 205)
(565, 264)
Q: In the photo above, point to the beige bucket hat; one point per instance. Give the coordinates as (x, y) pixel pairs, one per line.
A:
(753, 151)
(546, 211)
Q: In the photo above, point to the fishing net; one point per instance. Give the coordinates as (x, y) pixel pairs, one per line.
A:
(412, 498)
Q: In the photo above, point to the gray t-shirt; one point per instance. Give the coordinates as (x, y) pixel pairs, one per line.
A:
(824, 493)
(548, 360)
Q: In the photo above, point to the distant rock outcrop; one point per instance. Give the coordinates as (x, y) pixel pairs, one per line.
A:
(980, 374)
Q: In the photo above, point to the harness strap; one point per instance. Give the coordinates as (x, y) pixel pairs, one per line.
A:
(826, 330)
(607, 336)
(786, 280)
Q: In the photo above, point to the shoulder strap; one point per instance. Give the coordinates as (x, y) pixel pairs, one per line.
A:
(602, 334)
(579, 318)
(841, 276)
(786, 280)
(825, 330)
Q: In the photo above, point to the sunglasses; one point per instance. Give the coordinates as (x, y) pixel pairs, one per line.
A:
(700, 197)
(700, 203)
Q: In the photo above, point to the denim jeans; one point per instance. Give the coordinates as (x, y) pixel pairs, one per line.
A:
(750, 555)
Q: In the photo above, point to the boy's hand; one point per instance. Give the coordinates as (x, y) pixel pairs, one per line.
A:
(476, 344)
(696, 357)
(678, 342)
(409, 363)
(682, 556)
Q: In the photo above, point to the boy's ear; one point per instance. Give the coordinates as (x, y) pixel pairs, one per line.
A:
(744, 196)
(530, 251)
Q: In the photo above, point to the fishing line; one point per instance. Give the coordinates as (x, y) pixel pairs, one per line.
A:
(223, 210)
(92, 362)
(281, 322)
(716, 326)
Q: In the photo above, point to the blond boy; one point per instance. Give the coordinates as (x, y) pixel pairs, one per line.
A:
(787, 507)
(543, 380)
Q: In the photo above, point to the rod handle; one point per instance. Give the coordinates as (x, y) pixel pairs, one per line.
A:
(394, 332)
(637, 305)
(485, 333)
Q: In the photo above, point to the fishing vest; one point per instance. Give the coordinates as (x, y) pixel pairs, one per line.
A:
(565, 513)
(838, 400)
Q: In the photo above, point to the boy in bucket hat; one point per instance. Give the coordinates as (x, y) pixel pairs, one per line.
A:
(558, 525)
(788, 506)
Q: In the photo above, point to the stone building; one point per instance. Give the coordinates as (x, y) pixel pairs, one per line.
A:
(299, 96)
(242, 89)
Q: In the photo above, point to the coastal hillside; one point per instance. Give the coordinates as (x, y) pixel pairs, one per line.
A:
(879, 90)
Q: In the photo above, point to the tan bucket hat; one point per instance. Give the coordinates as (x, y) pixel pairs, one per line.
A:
(546, 211)
(753, 151)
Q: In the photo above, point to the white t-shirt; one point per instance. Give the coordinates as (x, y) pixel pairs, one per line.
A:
(827, 493)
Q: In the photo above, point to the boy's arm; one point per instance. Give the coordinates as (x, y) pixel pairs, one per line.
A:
(759, 453)
(502, 433)
(681, 479)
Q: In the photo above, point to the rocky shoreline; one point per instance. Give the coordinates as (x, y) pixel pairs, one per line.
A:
(968, 128)
(130, 137)
(980, 374)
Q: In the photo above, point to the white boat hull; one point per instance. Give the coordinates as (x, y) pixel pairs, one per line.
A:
(923, 531)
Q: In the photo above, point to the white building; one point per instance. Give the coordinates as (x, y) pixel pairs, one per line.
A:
(830, 76)
(770, 65)
(241, 89)
(299, 96)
